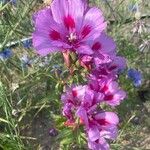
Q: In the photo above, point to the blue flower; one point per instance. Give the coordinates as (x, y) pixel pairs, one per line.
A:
(135, 76)
(25, 61)
(27, 43)
(6, 53)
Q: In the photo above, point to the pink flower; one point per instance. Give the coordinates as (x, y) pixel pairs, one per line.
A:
(108, 70)
(103, 51)
(67, 24)
(113, 95)
(72, 99)
(102, 126)
(79, 101)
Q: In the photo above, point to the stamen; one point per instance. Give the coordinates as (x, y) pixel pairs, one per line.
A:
(72, 37)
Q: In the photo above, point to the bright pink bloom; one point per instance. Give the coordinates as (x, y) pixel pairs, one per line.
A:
(102, 126)
(79, 101)
(108, 70)
(72, 99)
(113, 94)
(103, 51)
(67, 24)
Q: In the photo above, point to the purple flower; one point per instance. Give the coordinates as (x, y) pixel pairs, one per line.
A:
(67, 25)
(103, 51)
(135, 76)
(72, 100)
(113, 95)
(82, 102)
(102, 126)
(53, 132)
(5, 54)
(109, 70)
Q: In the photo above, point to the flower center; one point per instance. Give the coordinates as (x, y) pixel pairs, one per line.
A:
(72, 37)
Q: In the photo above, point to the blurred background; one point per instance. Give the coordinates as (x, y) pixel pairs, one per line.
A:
(30, 86)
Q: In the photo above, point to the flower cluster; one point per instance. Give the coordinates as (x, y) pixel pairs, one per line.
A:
(71, 26)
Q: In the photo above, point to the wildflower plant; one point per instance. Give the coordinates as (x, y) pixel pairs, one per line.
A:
(62, 75)
(77, 31)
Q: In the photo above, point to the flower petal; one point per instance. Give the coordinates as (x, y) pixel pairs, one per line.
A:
(101, 144)
(95, 23)
(108, 45)
(82, 114)
(42, 44)
(93, 133)
(107, 117)
(109, 132)
(77, 9)
(84, 49)
(59, 10)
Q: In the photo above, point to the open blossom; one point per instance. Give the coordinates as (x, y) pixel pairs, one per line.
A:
(102, 126)
(113, 94)
(104, 50)
(108, 70)
(72, 100)
(67, 25)
(81, 102)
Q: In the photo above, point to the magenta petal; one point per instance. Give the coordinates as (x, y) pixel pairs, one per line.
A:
(100, 145)
(88, 98)
(93, 133)
(82, 114)
(108, 45)
(109, 117)
(84, 49)
(120, 95)
(101, 59)
(113, 86)
(103, 145)
(94, 20)
(41, 22)
(59, 10)
(109, 132)
(76, 10)
(79, 91)
(42, 44)
(117, 98)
